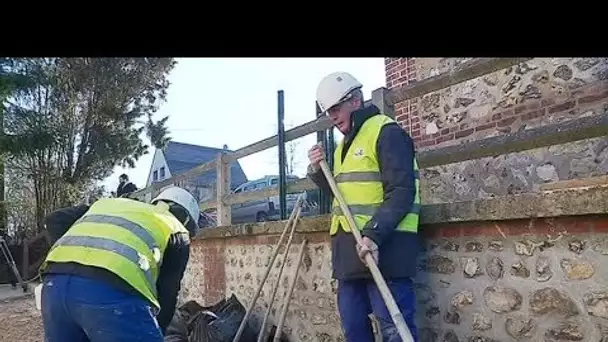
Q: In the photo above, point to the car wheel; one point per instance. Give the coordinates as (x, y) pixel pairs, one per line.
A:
(261, 217)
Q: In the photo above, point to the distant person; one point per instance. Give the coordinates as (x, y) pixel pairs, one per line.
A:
(125, 187)
(115, 274)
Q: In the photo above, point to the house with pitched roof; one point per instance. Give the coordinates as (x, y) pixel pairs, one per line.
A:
(179, 157)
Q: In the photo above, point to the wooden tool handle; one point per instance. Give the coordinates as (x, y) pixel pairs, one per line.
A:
(396, 315)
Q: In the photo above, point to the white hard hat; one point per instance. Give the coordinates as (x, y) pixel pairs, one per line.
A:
(334, 87)
(183, 198)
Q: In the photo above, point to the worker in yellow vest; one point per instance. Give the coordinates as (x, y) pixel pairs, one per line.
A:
(115, 274)
(376, 171)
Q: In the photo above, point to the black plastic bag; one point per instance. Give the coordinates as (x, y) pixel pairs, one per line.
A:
(217, 323)
(222, 328)
(177, 330)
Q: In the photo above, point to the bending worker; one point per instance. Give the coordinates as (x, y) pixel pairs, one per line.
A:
(377, 173)
(115, 274)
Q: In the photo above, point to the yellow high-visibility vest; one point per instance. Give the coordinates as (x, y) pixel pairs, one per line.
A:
(125, 237)
(358, 178)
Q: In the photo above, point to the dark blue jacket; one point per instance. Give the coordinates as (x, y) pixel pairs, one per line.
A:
(397, 250)
(171, 271)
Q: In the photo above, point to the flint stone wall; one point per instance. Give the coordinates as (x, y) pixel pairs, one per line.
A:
(483, 278)
(539, 92)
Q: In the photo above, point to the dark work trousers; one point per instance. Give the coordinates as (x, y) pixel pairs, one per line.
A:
(77, 309)
(359, 298)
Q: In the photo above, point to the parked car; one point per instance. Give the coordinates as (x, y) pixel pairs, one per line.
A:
(266, 209)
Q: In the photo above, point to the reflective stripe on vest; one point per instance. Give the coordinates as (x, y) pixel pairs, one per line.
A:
(106, 245)
(358, 178)
(125, 237)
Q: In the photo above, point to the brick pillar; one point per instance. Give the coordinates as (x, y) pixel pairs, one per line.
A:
(401, 72)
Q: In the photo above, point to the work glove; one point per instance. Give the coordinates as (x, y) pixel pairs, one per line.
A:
(367, 246)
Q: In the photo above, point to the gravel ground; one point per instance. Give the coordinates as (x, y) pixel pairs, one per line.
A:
(20, 321)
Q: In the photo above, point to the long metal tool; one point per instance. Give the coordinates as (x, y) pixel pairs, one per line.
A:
(262, 334)
(277, 334)
(298, 204)
(389, 300)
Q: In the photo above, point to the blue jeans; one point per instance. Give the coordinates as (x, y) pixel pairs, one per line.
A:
(358, 298)
(77, 309)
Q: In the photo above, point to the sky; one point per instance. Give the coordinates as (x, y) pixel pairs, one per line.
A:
(234, 101)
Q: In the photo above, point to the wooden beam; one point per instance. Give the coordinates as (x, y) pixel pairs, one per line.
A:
(224, 214)
(464, 72)
(320, 124)
(575, 183)
(570, 131)
(560, 133)
(556, 134)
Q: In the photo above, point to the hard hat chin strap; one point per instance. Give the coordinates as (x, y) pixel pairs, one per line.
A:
(185, 223)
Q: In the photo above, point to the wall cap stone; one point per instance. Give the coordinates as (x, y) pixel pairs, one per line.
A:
(553, 203)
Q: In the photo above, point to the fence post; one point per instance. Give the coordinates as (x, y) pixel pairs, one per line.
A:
(282, 155)
(224, 215)
(379, 99)
(25, 259)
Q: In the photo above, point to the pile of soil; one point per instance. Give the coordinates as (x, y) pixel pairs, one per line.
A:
(20, 321)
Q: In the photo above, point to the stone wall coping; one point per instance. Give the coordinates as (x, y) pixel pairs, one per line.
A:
(582, 200)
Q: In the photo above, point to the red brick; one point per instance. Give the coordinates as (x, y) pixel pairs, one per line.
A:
(463, 126)
(430, 232)
(480, 229)
(444, 138)
(533, 114)
(506, 121)
(544, 226)
(472, 229)
(518, 227)
(449, 231)
(402, 79)
(445, 131)
(547, 102)
(426, 143)
(416, 133)
(464, 133)
(485, 127)
(600, 224)
(594, 97)
(508, 113)
(562, 107)
(415, 126)
(520, 109)
(592, 89)
(574, 225)
(496, 116)
(401, 117)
